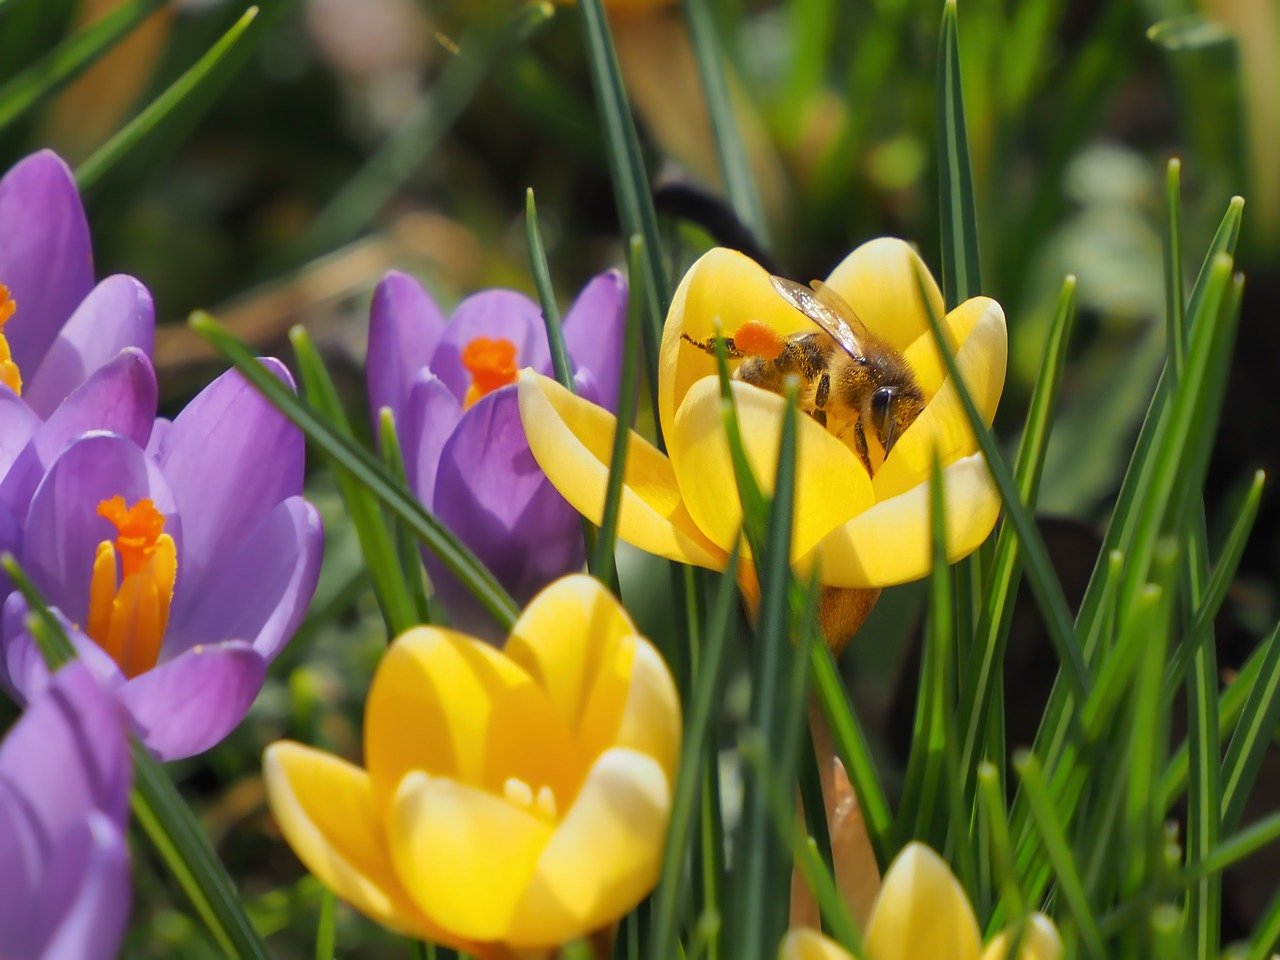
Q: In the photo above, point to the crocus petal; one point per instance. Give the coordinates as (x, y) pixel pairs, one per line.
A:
(10, 542)
(23, 670)
(491, 848)
(1040, 941)
(890, 542)
(806, 944)
(593, 333)
(610, 686)
(452, 706)
(490, 492)
(45, 257)
(230, 457)
(572, 441)
(605, 854)
(188, 704)
(17, 425)
(78, 722)
(831, 485)
(404, 327)
(259, 591)
(943, 430)
(722, 291)
(85, 903)
(22, 863)
(497, 314)
(922, 353)
(120, 396)
(324, 807)
(430, 416)
(117, 313)
(922, 911)
(879, 281)
(63, 528)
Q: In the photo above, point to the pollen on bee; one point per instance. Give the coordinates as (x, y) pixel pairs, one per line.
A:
(757, 339)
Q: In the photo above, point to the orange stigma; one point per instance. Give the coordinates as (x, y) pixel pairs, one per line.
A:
(491, 363)
(10, 376)
(129, 606)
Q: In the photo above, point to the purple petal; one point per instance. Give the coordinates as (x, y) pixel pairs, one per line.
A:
(68, 754)
(229, 457)
(159, 437)
(45, 257)
(21, 864)
(431, 415)
(119, 396)
(84, 902)
(490, 492)
(63, 528)
(259, 592)
(118, 313)
(594, 330)
(17, 425)
(404, 327)
(185, 706)
(497, 314)
(23, 671)
(10, 542)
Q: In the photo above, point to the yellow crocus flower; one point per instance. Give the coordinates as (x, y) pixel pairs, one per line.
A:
(864, 532)
(922, 912)
(510, 801)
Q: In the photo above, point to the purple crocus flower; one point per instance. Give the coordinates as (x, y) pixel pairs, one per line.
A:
(185, 566)
(451, 388)
(64, 802)
(73, 356)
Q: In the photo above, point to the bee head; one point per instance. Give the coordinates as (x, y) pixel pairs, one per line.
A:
(890, 410)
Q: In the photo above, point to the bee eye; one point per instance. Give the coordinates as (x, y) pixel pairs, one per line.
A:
(880, 401)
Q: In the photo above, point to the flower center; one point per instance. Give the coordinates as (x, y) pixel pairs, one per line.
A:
(10, 376)
(542, 804)
(129, 605)
(491, 363)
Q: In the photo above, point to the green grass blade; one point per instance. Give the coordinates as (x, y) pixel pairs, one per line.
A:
(166, 819)
(630, 181)
(193, 91)
(377, 544)
(365, 468)
(1239, 847)
(326, 927)
(363, 197)
(961, 274)
(670, 894)
(1253, 734)
(1174, 295)
(1040, 573)
(607, 535)
(1266, 935)
(74, 55)
(991, 794)
(1054, 838)
(735, 168)
(410, 571)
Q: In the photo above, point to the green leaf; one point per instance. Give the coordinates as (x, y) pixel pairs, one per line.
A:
(1253, 735)
(961, 274)
(74, 55)
(1266, 934)
(1191, 32)
(193, 92)
(735, 167)
(366, 469)
(326, 927)
(409, 560)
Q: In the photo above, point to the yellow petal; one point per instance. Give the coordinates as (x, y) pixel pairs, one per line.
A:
(464, 855)
(572, 441)
(879, 281)
(722, 291)
(943, 426)
(611, 687)
(889, 543)
(324, 807)
(605, 855)
(922, 353)
(831, 485)
(922, 911)
(454, 707)
(1040, 941)
(806, 944)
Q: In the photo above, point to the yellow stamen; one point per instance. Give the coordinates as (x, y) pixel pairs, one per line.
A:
(10, 375)
(129, 610)
(491, 363)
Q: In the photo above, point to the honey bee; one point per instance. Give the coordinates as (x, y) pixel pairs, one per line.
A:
(850, 379)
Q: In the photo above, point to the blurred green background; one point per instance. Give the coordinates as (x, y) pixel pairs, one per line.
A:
(351, 136)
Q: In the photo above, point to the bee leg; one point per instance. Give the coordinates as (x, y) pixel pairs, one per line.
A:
(860, 441)
(709, 346)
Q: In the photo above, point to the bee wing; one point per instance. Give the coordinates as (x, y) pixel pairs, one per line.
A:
(829, 311)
